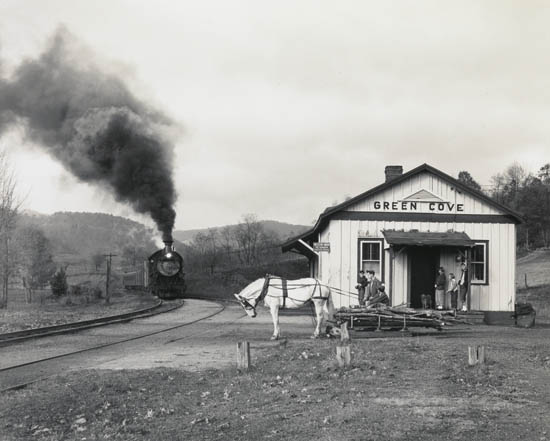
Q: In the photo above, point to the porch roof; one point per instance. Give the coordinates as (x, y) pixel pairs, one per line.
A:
(418, 238)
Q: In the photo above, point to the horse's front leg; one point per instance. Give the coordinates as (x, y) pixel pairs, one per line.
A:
(274, 309)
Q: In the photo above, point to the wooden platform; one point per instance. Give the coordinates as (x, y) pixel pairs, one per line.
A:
(404, 320)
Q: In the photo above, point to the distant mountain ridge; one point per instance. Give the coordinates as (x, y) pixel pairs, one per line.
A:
(85, 233)
(281, 230)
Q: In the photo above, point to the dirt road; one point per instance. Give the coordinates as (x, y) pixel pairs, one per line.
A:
(208, 343)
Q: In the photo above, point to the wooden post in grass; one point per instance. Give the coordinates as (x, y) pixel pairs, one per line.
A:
(476, 355)
(343, 347)
(108, 277)
(243, 355)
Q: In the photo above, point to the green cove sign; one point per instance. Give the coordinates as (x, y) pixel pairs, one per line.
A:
(413, 206)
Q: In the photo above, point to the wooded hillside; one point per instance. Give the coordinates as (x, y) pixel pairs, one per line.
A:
(85, 234)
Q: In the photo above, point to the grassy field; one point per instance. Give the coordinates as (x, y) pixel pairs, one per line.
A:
(535, 268)
(46, 310)
(396, 389)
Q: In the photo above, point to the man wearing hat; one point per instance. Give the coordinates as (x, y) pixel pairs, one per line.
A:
(361, 285)
(374, 284)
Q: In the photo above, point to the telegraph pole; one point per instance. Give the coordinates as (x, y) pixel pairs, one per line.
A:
(109, 258)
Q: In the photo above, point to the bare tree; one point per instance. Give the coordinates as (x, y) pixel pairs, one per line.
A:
(227, 240)
(507, 185)
(206, 250)
(498, 182)
(270, 245)
(248, 235)
(9, 207)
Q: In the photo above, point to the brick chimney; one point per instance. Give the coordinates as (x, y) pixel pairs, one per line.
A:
(393, 171)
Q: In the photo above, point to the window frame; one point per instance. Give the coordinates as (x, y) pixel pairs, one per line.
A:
(485, 281)
(379, 241)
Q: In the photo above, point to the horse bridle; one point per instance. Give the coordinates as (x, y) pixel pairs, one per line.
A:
(247, 305)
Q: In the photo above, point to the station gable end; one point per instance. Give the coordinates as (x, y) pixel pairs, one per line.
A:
(424, 193)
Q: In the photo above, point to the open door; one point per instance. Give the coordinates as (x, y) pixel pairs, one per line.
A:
(424, 262)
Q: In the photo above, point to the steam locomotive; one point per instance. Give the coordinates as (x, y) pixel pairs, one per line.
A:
(162, 274)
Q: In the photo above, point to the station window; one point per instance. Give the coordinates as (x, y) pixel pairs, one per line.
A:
(479, 262)
(370, 256)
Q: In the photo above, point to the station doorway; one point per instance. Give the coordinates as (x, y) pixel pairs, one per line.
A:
(424, 262)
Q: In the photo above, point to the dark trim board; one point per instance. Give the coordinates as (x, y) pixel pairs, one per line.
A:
(423, 217)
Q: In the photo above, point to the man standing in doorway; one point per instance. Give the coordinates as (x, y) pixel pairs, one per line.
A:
(374, 284)
(463, 286)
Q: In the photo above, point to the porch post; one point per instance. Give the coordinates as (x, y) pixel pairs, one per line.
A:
(468, 268)
(390, 278)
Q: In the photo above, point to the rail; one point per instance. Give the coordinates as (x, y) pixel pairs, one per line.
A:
(44, 331)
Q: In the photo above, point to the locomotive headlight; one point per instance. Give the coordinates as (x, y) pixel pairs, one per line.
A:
(169, 255)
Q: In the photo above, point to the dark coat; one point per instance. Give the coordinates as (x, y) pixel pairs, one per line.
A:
(463, 280)
(440, 281)
(362, 281)
(372, 288)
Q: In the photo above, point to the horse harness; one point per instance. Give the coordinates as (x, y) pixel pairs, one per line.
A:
(285, 291)
(265, 288)
(284, 288)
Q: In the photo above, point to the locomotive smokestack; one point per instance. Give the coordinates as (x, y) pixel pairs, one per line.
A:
(168, 248)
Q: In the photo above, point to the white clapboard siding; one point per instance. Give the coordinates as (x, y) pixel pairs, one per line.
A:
(340, 266)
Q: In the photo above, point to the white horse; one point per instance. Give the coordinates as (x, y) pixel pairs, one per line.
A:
(279, 293)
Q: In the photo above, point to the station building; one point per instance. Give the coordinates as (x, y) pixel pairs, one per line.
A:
(405, 229)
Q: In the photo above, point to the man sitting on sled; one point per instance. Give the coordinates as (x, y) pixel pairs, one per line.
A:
(380, 298)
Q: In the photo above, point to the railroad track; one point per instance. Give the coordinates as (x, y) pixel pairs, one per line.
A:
(45, 331)
(35, 364)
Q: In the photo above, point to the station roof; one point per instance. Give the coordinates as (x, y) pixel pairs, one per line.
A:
(325, 216)
(418, 238)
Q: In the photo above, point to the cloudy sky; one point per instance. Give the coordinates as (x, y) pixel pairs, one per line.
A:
(284, 107)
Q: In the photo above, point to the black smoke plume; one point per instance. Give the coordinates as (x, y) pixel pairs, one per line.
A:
(90, 122)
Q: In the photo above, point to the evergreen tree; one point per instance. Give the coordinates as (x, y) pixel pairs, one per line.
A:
(466, 178)
(35, 262)
(59, 283)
